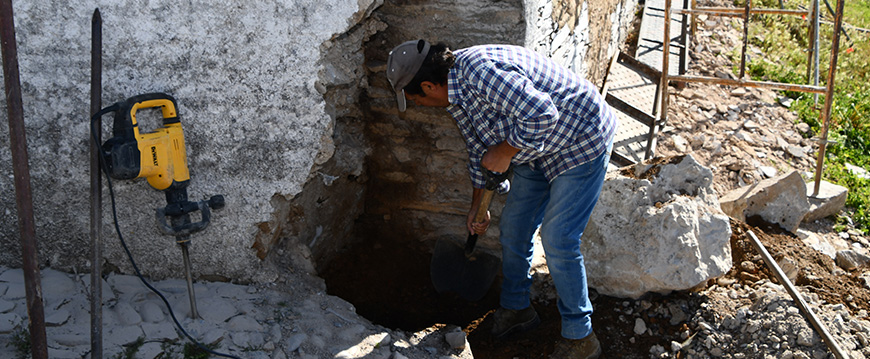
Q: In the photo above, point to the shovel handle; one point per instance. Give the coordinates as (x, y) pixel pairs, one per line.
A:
(485, 199)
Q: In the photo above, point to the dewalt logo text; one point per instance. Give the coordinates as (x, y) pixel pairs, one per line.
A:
(154, 154)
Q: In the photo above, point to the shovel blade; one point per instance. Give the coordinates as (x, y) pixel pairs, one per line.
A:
(468, 276)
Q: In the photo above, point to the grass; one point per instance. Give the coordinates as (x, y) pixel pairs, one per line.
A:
(131, 349)
(21, 342)
(784, 40)
(191, 351)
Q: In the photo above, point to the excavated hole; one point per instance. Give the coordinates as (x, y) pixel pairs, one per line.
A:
(389, 284)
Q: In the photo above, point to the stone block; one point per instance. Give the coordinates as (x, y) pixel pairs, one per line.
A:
(781, 200)
(829, 201)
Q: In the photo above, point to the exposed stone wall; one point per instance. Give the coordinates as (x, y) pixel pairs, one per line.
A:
(418, 184)
(582, 35)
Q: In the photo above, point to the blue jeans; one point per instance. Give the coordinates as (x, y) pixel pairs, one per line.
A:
(561, 209)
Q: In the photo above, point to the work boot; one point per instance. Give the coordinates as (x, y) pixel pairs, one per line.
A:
(509, 321)
(586, 348)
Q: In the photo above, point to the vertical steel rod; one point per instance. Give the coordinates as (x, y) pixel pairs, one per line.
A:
(694, 24)
(829, 96)
(801, 304)
(663, 83)
(191, 293)
(21, 172)
(685, 39)
(816, 15)
(812, 40)
(96, 189)
(745, 38)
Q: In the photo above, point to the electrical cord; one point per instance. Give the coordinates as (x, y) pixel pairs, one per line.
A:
(96, 117)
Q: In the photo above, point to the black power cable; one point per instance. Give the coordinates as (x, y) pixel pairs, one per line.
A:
(96, 117)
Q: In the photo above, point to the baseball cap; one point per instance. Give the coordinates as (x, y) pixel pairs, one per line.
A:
(404, 62)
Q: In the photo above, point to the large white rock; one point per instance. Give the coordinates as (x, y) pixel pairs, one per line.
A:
(658, 230)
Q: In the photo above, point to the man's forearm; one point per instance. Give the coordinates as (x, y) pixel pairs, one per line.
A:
(498, 158)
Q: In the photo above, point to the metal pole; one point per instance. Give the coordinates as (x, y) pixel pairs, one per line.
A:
(832, 14)
(802, 305)
(663, 84)
(685, 40)
(734, 12)
(745, 38)
(816, 15)
(694, 24)
(191, 293)
(829, 96)
(749, 83)
(21, 172)
(812, 40)
(96, 189)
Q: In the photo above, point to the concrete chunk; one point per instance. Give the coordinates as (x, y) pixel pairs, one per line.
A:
(828, 202)
(781, 200)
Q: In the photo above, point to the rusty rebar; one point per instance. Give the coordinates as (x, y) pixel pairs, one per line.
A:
(663, 84)
(23, 192)
(816, 15)
(735, 12)
(96, 198)
(798, 299)
(829, 96)
(745, 38)
(811, 49)
(749, 83)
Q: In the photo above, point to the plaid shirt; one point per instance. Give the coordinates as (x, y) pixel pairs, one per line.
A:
(499, 93)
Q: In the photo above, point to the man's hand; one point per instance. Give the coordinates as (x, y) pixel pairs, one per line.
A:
(498, 158)
(472, 226)
(477, 227)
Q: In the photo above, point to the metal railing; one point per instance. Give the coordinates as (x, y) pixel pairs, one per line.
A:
(745, 13)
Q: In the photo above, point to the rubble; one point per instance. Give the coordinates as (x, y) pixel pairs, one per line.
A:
(281, 320)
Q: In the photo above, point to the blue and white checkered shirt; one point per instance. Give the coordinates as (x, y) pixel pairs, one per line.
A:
(557, 119)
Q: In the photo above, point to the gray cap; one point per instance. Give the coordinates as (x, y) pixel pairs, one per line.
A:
(404, 62)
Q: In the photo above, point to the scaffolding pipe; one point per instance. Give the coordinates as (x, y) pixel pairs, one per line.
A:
(734, 12)
(817, 14)
(749, 83)
(812, 42)
(745, 38)
(23, 192)
(802, 305)
(829, 96)
(663, 84)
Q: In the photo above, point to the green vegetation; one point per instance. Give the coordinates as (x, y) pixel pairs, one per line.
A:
(131, 349)
(21, 342)
(784, 41)
(191, 351)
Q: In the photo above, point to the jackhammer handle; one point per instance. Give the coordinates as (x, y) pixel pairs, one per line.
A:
(155, 99)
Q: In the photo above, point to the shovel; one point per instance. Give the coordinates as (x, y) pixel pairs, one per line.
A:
(458, 268)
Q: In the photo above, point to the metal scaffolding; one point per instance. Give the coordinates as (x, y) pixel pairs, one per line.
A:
(745, 13)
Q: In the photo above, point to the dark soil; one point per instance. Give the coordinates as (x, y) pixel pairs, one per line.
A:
(390, 286)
